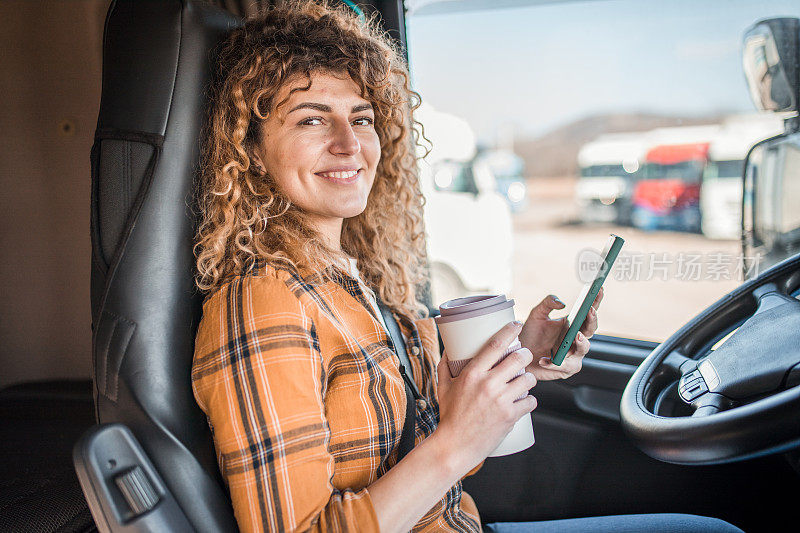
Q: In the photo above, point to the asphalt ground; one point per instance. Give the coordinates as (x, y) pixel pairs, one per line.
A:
(660, 281)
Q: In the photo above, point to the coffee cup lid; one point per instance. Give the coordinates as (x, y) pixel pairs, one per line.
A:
(472, 306)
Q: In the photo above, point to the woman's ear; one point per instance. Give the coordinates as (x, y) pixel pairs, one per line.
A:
(257, 164)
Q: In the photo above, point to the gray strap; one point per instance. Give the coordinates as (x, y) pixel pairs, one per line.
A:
(399, 346)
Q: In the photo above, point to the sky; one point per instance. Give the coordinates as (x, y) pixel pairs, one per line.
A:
(532, 69)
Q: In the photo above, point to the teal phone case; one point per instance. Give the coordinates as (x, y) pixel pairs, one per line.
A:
(612, 250)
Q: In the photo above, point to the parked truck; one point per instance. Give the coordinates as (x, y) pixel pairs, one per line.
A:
(667, 195)
(464, 213)
(609, 166)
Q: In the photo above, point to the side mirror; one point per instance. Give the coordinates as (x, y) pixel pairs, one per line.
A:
(770, 212)
(770, 57)
(750, 240)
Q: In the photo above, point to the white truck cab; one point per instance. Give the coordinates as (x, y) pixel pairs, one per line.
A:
(468, 223)
(608, 167)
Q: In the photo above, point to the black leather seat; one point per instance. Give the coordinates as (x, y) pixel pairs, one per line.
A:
(158, 59)
(150, 464)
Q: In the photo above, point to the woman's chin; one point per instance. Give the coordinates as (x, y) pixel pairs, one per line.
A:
(352, 213)
(340, 214)
(350, 210)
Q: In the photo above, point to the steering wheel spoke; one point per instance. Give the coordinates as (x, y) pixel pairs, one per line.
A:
(769, 296)
(678, 363)
(710, 403)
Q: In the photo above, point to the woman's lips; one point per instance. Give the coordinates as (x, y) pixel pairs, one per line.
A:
(342, 177)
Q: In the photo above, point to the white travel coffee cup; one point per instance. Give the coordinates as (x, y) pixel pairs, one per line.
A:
(465, 325)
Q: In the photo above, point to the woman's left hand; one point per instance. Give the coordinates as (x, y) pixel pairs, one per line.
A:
(540, 334)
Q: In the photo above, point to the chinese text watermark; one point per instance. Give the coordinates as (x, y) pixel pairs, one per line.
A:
(683, 266)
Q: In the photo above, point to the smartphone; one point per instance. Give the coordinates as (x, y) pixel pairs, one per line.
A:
(589, 292)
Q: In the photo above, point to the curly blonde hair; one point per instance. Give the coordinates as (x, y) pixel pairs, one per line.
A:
(245, 218)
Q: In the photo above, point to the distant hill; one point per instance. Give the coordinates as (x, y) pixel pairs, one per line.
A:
(556, 152)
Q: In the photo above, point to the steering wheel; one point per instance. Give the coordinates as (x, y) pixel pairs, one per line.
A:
(723, 387)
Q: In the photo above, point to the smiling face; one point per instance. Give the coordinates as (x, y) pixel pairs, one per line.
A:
(322, 150)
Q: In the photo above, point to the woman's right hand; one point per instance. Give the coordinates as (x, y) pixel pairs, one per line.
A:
(479, 407)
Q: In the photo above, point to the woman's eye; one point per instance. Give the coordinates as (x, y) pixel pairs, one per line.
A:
(363, 121)
(311, 121)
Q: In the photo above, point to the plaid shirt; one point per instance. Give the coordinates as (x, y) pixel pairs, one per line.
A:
(306, 402)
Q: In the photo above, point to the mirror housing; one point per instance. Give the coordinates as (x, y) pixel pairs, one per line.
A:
(770, 56)
(771, 215)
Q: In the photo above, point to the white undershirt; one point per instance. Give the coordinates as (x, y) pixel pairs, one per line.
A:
(369, 293)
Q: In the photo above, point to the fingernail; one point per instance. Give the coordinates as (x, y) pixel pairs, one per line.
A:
(581, 337)
(557, 300)
(517, 323)
(544, 361)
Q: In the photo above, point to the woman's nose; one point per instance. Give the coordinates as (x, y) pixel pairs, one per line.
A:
(345, 141)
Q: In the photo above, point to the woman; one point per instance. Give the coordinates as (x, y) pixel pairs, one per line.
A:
(312, 211)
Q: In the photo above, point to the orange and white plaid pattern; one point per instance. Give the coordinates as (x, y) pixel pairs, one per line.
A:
(306, 402)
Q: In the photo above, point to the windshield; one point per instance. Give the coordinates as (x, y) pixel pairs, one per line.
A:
(603, 171)
(724, 169)
(454, 177)
(687, 171)
(588, 89)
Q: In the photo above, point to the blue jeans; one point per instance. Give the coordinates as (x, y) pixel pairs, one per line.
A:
(634, 523)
